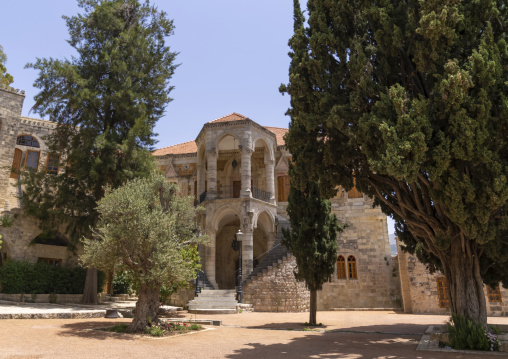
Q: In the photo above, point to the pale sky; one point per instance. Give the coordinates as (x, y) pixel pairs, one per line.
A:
(233, 57)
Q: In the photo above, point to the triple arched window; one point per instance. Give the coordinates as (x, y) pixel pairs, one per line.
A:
(351, 272)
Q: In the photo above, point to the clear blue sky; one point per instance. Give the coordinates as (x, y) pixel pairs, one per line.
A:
(233, 57)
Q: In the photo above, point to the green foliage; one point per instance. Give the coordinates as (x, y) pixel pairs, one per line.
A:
(105, 101)
(122, 284)
(147, 230)
(312, 238)
(5, 78)
(119, 328)
(41, 278)
(407, 101)
(465, 334)
(155, 331)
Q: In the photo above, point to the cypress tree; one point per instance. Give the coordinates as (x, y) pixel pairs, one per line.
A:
(312, 239)
(407, 99)
(105, 102)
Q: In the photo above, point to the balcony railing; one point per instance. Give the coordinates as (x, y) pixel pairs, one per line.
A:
(260, 194)
(225, 192)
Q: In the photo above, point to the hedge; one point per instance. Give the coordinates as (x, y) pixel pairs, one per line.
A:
(19, 277)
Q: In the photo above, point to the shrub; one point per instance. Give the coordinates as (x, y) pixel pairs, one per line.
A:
(19, 277)
(465, 334)
(122, 284)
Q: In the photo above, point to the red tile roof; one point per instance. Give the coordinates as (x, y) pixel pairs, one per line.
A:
(186, 147)
(190, 146)
(231, 117)
(279, 134)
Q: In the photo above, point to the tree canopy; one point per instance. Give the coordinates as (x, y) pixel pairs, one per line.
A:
(5, 77)
(146, 229)
(105, 101)
(407, 100)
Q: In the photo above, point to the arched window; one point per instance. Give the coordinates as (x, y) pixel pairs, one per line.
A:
(341, 268)
(26, 140)
(351, 263)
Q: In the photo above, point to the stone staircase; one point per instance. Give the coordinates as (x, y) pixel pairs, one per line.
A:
(274, 256)
(214, 301)
(204, 283)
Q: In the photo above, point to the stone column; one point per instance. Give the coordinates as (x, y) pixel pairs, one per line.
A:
(211, 192)
(246, 191)
(270, 179)
(247, 253)
(209, 267)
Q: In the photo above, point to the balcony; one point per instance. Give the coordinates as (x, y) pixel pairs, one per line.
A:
(224, 192)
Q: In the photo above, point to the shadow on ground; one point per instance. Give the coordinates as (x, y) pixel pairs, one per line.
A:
(89, 330)
(397, 328)
(343, 345)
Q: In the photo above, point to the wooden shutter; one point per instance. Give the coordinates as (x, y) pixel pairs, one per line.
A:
(442, 292)
(283, 185)
(16, 162)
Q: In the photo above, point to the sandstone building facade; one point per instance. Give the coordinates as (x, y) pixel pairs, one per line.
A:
(237, 170)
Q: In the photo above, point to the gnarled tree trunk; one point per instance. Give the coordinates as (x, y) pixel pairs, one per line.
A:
(146, 307)
(313, 307)
(462, 270)
(90, 290)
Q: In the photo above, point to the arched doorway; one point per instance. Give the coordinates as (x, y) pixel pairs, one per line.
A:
(226, 258)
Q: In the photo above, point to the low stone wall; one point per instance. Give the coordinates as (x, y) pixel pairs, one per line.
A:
(42, 298)
(277, 290)
(182, 297)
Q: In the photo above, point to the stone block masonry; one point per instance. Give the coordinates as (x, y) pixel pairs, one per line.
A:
(277, 290)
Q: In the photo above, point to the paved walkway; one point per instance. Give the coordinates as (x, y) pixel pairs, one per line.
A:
(244, 335)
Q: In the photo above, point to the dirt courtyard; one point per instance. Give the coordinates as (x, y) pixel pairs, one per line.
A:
(245, 335)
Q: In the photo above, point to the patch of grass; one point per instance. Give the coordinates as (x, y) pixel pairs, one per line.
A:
(120, 328)
(307, 329)
(195, 326)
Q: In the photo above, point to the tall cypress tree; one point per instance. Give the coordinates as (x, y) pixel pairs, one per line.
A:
(408, 101)
(105, 102)
(312, 239)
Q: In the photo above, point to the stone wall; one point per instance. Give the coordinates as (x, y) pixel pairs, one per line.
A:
(182, 297)
(11, 103)
(17, 238)
(42, 298)
(277, 290)
(365, 238)
(420, 293)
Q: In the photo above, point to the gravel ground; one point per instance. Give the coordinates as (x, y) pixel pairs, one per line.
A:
(245, 335)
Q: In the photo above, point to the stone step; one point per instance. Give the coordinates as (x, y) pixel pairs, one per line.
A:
(212, 306)
(212, 311)
(206, 303)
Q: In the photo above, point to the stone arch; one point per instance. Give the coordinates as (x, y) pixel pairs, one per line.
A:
(225, 134)
(221, 213)
(270, 217)
(263, 235)
(266, 145)
(226, 223)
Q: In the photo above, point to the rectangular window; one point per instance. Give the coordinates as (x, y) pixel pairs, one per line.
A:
(494, 294)
(283, 185)
(51, 261)
(52, 163)
(32, 160)
(442, 292)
